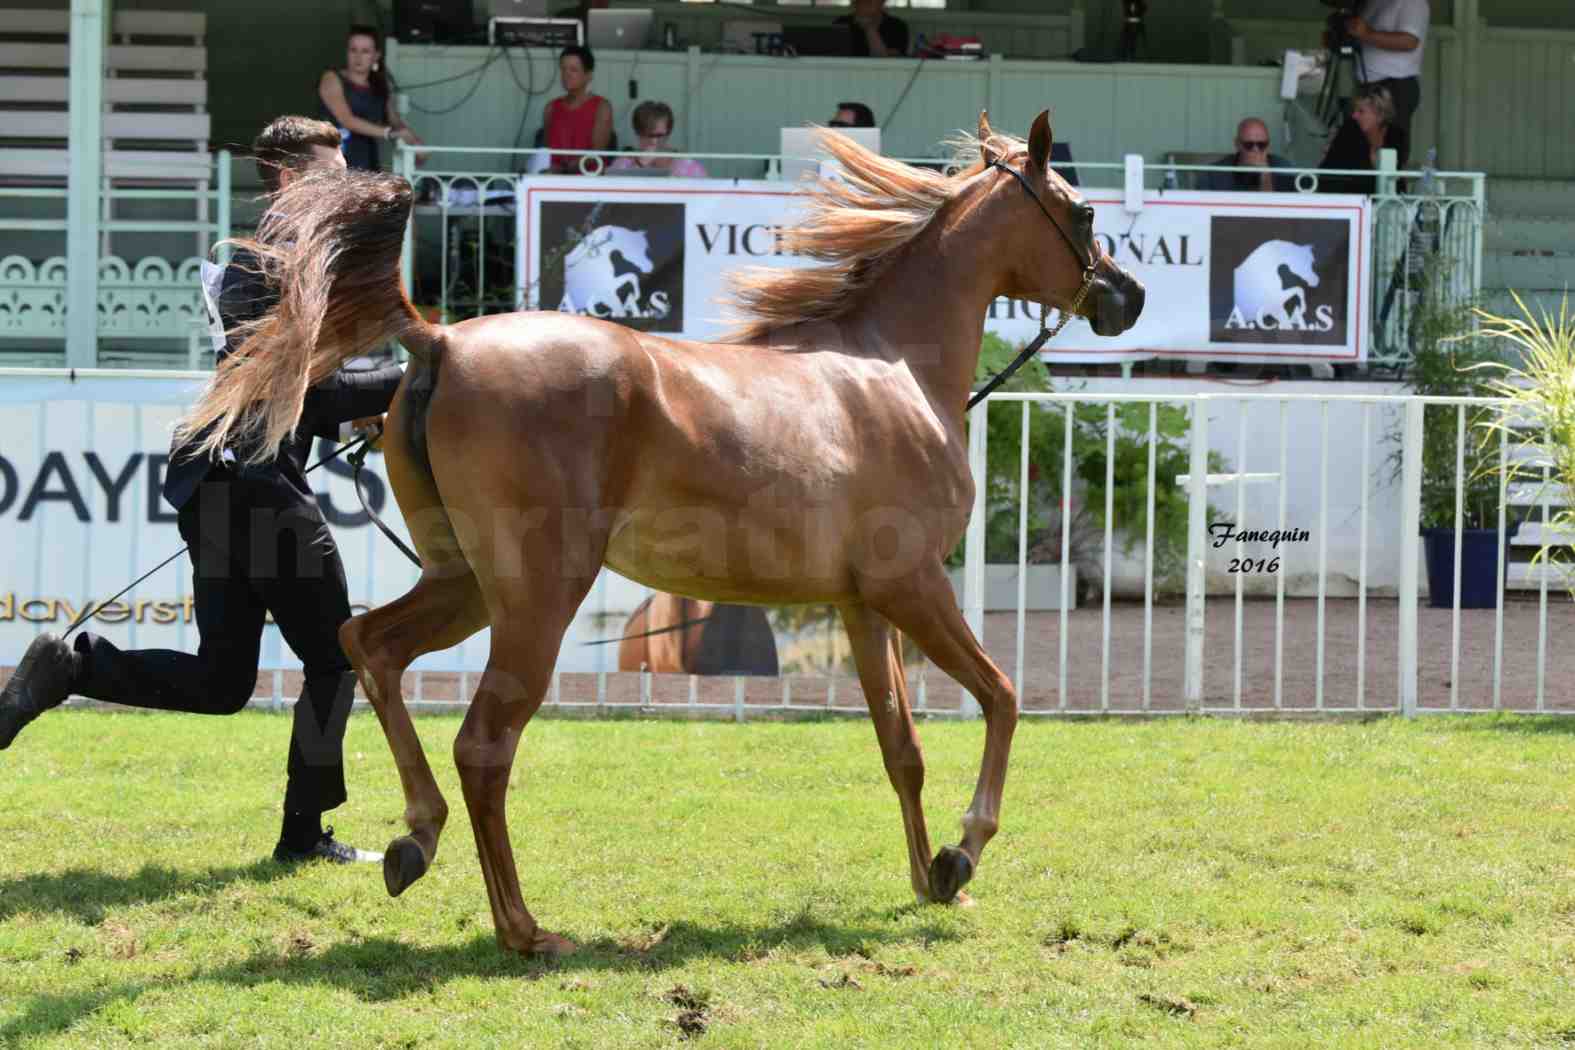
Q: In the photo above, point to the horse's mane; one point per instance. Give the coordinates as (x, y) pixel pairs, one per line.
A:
(856, 226)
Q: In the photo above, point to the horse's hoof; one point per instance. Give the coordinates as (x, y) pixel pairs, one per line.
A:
(949, 872)
(538, 945)
(403, 863)
(550, 946)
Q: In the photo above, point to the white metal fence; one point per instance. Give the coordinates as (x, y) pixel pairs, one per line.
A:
(1202, 663)
(1320, 661)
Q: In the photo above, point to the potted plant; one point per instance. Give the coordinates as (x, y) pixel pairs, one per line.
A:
(1450, 359)
(1085, 518)
(1542, 415)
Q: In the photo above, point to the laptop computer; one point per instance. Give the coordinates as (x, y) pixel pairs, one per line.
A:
(617, 29)
(801, 155)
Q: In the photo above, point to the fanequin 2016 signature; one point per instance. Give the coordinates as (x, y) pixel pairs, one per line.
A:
(1224, 532)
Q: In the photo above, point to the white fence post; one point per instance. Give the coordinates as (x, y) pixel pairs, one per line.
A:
(1197, 550)
(1410, 521)
(85, 186)
(222, 205)
(973, 549)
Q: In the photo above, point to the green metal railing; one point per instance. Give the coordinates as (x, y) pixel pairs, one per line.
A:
(152, 297)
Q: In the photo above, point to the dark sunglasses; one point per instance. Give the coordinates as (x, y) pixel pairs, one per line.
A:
(1255, 144)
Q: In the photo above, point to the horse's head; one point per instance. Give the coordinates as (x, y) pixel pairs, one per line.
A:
(1048, 234)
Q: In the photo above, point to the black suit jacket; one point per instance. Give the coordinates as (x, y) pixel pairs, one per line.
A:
(245, 296)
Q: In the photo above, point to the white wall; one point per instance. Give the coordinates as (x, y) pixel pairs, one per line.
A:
(1303, 456)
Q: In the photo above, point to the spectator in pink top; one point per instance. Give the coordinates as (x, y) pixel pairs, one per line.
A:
(653, 127)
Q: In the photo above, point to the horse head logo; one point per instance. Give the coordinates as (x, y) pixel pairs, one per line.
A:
(1271, 284)
(601, 276)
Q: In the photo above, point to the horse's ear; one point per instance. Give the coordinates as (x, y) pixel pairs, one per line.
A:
(1039, 142)
(986, 133)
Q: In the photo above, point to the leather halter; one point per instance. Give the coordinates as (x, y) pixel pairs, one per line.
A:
(1085, 258)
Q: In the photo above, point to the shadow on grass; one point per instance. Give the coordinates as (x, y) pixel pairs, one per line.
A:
(1530, 724)
(52, 1014)
(88, 895)
(381, 969)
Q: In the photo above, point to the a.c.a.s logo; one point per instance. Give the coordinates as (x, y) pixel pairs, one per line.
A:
(1274, 280)
(617, 261)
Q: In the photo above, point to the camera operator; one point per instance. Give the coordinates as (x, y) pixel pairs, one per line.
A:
(1392, 34)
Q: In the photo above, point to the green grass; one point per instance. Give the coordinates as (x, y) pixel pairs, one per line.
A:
(1177, 883)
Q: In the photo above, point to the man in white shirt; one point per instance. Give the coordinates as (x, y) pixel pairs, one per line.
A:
(1392, 35)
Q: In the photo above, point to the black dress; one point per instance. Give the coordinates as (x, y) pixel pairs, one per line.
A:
(361, 151)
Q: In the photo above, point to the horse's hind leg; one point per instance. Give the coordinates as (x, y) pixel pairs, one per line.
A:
(529, 620)
(925, 609)
(886, 691)
(442, 610)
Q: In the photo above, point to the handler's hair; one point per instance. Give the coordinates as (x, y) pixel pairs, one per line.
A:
(287, 143)
(330, 241)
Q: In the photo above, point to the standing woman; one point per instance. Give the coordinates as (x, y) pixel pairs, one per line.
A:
(357, 98)
(577, 119)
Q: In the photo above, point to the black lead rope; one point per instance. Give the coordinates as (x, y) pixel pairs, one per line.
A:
(1021, 359)
(655, 630)
(357, 458)
(92, 608)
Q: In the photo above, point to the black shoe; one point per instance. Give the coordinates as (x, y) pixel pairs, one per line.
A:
(42, 680)
(327, 848)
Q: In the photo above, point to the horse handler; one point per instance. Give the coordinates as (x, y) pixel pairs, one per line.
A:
(258, 544)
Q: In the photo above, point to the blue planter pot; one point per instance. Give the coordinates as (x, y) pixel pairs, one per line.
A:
(1478, 567)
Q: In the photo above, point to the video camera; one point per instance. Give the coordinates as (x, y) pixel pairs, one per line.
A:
(1339, 38)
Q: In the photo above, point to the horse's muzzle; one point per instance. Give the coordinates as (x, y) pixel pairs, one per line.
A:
(1117, 305)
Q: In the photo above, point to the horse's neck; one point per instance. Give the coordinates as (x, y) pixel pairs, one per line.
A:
(928, 310)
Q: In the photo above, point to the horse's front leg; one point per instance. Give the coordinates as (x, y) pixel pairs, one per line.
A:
(923, 606)
(875, 651)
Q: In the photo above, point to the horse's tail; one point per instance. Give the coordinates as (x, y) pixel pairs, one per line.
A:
(330, 243)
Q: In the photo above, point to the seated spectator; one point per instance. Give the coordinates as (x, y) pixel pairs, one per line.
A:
(853, 115)
(653, 127)
(875, 34)
(1252, 151)
(577, 119)
(1368, 129)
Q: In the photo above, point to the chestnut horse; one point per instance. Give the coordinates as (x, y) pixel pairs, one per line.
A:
(672, 634)
(820, 457)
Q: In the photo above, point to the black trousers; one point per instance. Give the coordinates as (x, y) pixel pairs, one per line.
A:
(258, 545)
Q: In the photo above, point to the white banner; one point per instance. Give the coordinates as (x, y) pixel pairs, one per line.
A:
(1229, 276)
(81, 464)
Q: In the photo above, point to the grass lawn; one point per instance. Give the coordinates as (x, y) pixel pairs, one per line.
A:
(1176, 883)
